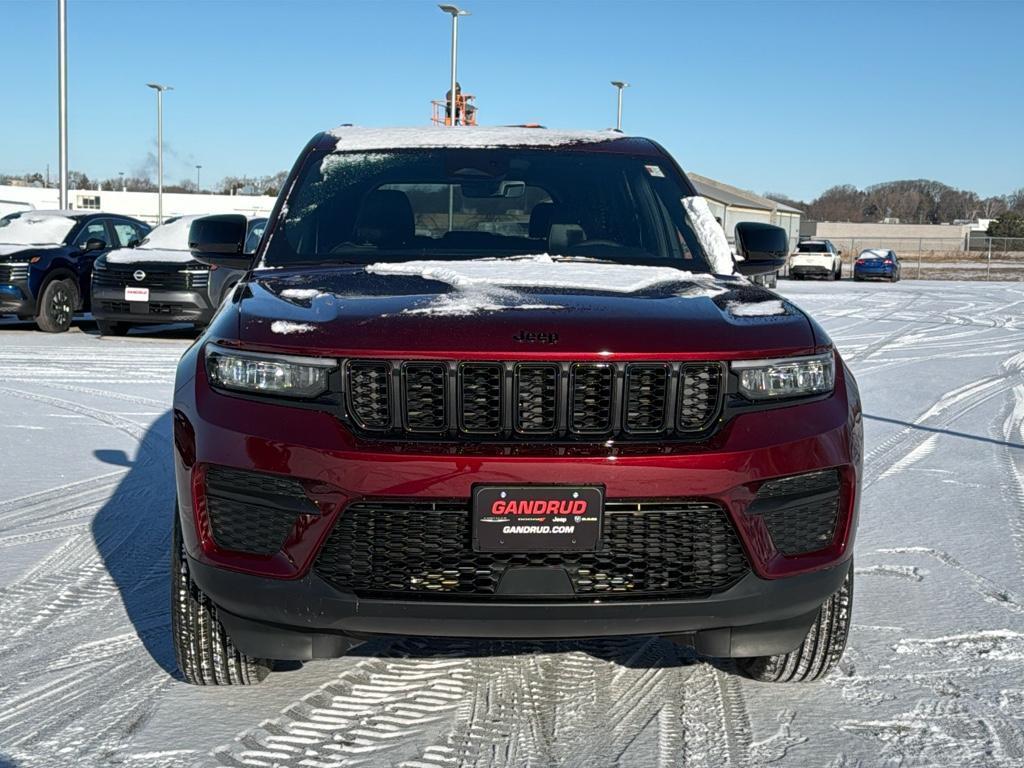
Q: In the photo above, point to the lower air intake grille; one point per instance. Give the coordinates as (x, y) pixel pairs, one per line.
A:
(800, 511)
(253, 512)
(403, 549)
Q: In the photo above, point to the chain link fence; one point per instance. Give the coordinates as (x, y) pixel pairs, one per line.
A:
(932, 258)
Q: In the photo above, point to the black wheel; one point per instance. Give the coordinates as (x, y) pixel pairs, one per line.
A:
(202, 647)
(839, 272)
(110, 328)
(820, 651)
(57, 306)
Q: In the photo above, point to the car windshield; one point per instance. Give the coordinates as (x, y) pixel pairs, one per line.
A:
(812, 248)
(454, 204)
(169, 236)
(35, 229)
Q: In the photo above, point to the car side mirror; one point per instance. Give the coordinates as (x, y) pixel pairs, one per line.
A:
(94, 244)
(133, 243)
(764, 248)
(220, 241)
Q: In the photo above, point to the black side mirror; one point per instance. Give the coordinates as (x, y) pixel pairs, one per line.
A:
(764, 248)
(220, 241)
(94, 244)
(133, 243)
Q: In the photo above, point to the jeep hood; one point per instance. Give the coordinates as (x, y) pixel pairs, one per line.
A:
(355, 310)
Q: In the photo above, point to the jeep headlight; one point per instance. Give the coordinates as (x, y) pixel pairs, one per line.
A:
(786, 377)
(265, 373)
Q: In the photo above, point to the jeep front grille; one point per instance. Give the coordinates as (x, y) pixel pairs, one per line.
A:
(532, 401)
(405, 549)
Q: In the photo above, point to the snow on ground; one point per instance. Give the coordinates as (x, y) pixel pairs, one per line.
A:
(934, 675)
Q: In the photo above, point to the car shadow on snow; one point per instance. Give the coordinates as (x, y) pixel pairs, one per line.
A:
(132, 533)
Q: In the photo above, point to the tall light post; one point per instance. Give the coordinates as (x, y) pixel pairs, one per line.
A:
(159, 146)
(123, 187)
(62, 99)
(198, 168)
(455, 13)
(620, 87)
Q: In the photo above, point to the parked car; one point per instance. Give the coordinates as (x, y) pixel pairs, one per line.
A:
(816, 258)
(158, 281)
(405, 423)
(877, 263)
(46, 261)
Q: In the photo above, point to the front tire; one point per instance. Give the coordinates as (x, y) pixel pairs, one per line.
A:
(202, 647)
(57, 306)
(820, 651)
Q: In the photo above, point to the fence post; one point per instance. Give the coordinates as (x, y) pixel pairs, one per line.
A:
(918, 259)
(988, 270)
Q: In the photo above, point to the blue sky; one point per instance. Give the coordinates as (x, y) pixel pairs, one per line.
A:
(790, 97)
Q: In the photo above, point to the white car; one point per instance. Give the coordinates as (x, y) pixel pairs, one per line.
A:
(816, 258)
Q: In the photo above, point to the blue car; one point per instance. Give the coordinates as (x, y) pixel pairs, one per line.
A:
(46, 260)
(877, 263)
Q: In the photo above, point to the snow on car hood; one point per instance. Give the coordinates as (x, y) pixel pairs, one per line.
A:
(355, 139)
(149, 256)
(36, 229)
(476, 308)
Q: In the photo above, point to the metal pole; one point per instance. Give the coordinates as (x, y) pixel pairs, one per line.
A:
(160, 156)
(988, 273)
(618, 115)
(62, 98)
(198, 168)
(455, 43)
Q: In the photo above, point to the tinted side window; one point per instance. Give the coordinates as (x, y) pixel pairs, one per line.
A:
(93, 230)
(125, 233)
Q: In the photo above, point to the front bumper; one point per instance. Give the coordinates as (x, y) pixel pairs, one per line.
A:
(164, 306)
(306, 618)
(281, 599)
(15, 299)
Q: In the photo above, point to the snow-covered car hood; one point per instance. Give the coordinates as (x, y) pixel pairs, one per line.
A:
(149, 256)
(13, 252)
(405, 309)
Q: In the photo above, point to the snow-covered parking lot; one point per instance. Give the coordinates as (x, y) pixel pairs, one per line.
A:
(934, 675)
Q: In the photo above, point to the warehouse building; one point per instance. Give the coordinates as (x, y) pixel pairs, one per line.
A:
(733, 205)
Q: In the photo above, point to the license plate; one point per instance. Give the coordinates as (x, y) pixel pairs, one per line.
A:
(136, 294)
(537, 518)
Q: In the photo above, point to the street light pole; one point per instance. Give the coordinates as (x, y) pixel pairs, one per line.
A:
(123, 187)
(160, 147)
(62, 99)
(455, 13)
(620, 87)
(198, 168)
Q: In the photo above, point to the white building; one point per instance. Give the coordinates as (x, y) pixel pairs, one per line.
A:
(141, 205)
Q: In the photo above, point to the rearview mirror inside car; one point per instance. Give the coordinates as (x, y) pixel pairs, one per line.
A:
(763, 247)
(220, 241)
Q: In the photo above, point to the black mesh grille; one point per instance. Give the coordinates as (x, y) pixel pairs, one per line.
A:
(646, 391)
(402, 549)
(424, 388)
(536, 398)
(591, 399)
(700, 392)
(800, 511)
(481, 397)
(533, 400)
(369, 398)
(251, 511)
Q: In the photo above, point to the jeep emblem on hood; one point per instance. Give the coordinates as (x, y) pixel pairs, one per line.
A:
(536, 337)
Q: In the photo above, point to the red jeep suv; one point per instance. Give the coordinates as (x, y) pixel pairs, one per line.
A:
(507, 383)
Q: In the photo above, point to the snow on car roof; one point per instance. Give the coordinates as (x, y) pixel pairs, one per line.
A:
(356, 138)
(875, 251)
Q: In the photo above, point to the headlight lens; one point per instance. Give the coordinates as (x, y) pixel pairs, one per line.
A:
(786, 377)
(266, 373)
